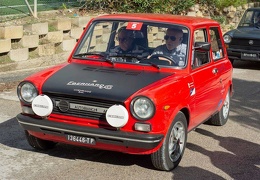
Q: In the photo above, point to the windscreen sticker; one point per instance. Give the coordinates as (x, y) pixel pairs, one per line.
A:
(134, 25)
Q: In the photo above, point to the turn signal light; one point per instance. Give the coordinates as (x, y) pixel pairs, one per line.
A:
(143, 127)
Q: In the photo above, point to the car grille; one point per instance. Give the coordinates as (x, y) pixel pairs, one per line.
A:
(244, 44)
(86, 107)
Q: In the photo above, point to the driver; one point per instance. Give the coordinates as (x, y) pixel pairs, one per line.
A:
(127, 46)
(173, 47)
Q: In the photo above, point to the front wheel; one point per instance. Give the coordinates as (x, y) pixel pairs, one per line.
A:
(170, 153)
(39, 144)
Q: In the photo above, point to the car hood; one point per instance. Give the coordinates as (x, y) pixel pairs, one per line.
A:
(245, 33)
(99, 82)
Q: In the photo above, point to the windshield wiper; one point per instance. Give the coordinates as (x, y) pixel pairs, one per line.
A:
(90, 54)
(126, 56)
(110, 61)
(154, 65)
(84, 55)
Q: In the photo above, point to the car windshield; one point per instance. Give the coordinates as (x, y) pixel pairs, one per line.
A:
(144, 43)
(251, 18)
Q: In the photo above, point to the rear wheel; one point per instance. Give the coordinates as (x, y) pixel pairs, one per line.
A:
(170, 154)
(39, 144)
(221, 117)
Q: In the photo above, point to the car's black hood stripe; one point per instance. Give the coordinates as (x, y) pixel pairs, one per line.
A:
(99, 82)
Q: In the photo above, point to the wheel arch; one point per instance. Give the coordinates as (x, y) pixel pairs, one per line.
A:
(186, 112)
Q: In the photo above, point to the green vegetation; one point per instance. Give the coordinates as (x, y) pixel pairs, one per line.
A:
(8, 7)
(158, 6)
(5, 59)
(145, 6)
(141, 6)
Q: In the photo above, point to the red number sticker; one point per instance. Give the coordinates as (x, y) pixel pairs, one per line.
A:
(134, 25)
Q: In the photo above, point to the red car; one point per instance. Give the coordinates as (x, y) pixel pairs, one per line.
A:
(143, 100)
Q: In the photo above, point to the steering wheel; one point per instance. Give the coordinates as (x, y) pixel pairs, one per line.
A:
(166, 58)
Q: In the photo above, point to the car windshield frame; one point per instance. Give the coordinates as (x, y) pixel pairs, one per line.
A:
(249, 18)
(97, 46)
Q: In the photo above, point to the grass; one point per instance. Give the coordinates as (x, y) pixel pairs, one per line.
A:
(5, 59)
(9, 7)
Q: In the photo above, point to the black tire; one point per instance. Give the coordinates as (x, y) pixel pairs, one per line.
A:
(221, 117)
(39, 144)
(170, 153)
(232, 61)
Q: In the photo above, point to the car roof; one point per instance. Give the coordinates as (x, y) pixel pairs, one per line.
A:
(166, 18)
(253, 8)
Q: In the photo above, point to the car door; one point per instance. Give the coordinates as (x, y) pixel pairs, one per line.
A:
(204, 78)
(221, 65)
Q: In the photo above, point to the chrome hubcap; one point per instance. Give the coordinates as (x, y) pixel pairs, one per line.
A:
(176, 141)
(226, 106)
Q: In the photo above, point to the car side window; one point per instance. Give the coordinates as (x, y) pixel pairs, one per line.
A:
(200, 57)
(216, 44)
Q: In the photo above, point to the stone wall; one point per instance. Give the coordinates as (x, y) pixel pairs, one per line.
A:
(23, 42)
(231, 15)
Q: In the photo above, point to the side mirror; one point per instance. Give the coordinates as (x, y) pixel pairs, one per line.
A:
(202, 46)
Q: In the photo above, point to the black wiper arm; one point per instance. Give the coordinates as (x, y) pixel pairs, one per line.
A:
(154, 65)
(109, 61)
(126, 56)
(90, 54)
(95, 54)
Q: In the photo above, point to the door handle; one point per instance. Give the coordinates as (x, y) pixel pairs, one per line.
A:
(215, 71)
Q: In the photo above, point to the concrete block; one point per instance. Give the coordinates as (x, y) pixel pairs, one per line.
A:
(5, 45)
(193, 13)
(107, 28)
(55, 36)
(150, 37)
(81, 21)
(160, 35)
(93, 41)
(154, 30)
(38, 28)
(21, 54)
(46, 49)
(105, 37)
(102, 47)
(62, 24)
(11, 32)
(76, 32)
(30, 41)
(68, 44)
(98, 31)
(155, 43)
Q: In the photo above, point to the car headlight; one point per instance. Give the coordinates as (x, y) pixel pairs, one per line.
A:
(142, 108)
(227, 38)
(26, 92)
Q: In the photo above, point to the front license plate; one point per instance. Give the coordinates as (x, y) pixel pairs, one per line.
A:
(250, 56)
(81, 139)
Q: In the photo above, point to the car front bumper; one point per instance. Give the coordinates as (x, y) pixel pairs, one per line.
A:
(133, 140)
(242, 54)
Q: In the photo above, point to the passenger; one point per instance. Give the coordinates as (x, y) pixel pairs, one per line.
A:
(127, 45)
(173, 47)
